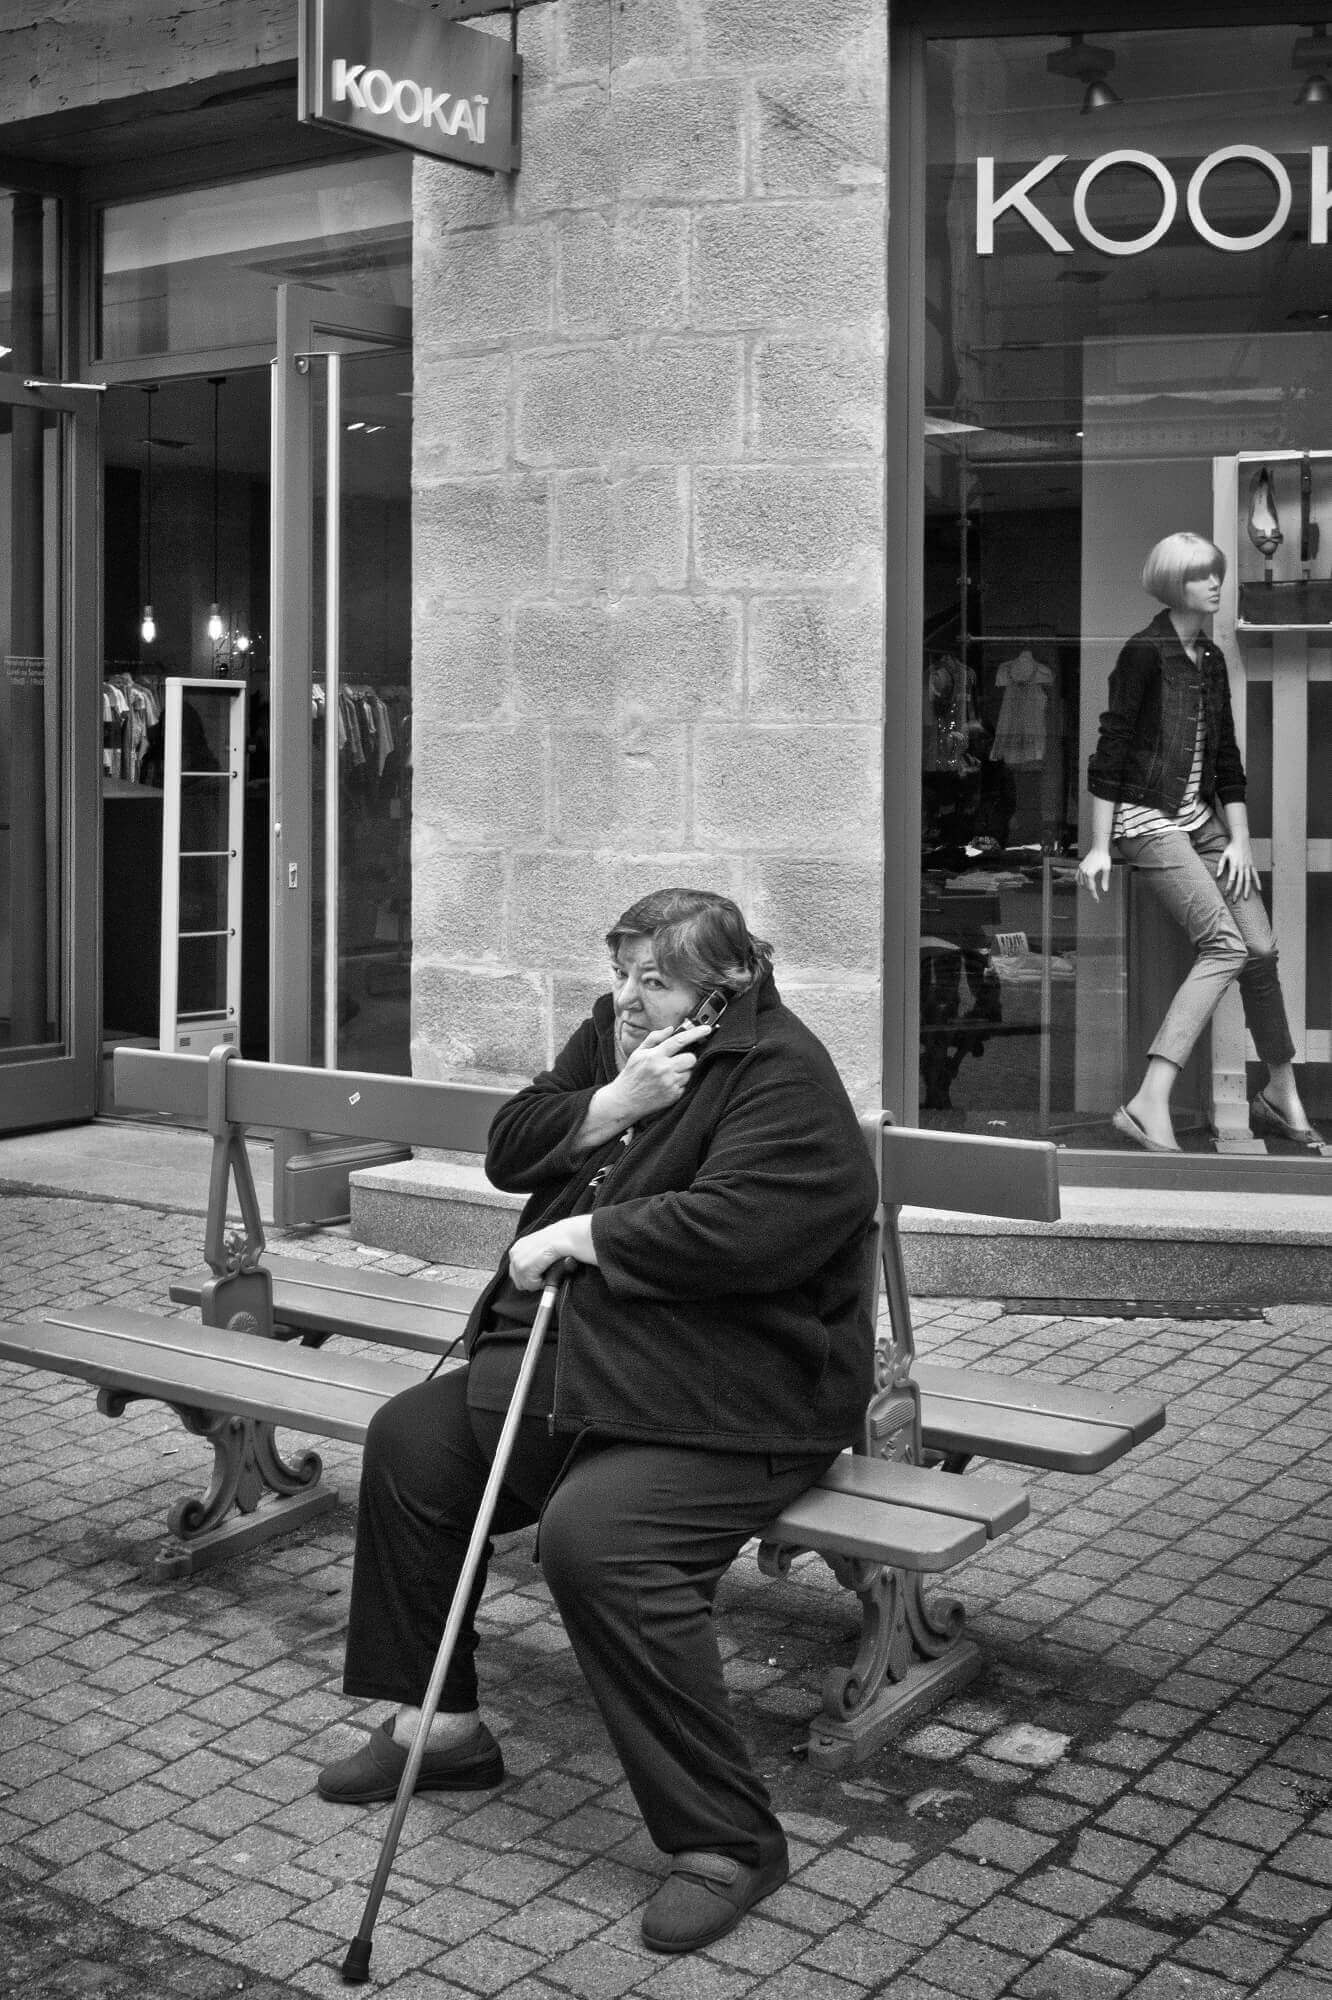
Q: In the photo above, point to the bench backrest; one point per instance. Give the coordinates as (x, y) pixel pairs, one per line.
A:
(1017, 1179)
(945, 1170)
(1011, 1178)
(354, 1104)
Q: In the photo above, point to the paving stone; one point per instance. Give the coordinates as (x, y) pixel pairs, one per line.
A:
(1104, 1854)
(853, 1878)
(1065, 1975)
(1066, 1891)
(1184, 1982)
(964, 1965)
(1164, 1617)
(1281, 1899)
(1233, 1952)
(1016, 1927)
(915, 1918)
(1216, 1864)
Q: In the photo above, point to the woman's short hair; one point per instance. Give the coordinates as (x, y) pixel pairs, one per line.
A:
(1178, 560)
(698, 938)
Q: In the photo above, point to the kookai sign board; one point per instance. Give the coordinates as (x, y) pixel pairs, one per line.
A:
(394, 73)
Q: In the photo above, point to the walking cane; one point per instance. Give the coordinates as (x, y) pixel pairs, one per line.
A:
(356, 1965)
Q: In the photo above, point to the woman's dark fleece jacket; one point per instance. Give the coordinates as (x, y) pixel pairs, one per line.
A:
(725, 1309)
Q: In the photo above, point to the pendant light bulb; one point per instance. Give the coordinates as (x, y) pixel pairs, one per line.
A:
(216, 629)
(148, 627)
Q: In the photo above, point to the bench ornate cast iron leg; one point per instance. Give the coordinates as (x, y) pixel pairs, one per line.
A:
(248, 1468)
(912, 1653)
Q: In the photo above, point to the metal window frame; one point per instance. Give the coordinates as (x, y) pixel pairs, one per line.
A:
(911, 24)
(60, 1086)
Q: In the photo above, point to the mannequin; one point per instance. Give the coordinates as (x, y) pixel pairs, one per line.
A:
(1168, 788)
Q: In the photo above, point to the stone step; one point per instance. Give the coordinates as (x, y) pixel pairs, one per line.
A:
(1184, 1250)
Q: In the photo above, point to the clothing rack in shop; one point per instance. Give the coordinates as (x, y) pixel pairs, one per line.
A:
(373, 741)
(132, 702)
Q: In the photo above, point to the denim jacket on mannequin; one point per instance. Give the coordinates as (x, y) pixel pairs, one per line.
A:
(1144, 752)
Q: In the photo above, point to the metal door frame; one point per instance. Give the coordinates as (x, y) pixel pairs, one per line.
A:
(309, 1179)
(61, 1088)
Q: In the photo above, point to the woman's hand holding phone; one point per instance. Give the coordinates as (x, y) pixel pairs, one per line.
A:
(657, 1073)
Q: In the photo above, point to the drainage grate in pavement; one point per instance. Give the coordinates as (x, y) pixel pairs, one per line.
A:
(1221, 1309)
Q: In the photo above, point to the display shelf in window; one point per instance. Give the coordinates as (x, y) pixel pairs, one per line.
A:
(1283, 556)
(203, 834)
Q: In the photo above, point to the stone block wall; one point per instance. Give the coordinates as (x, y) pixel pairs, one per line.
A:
(648, 518)
(68, 54)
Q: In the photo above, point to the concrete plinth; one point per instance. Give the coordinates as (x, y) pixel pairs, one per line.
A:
(1113, 1245)
(435, 1210)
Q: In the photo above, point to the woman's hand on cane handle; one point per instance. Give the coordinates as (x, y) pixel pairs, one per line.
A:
(532, 1258)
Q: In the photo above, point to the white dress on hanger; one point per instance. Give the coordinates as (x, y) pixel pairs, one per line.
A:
(1020, 735)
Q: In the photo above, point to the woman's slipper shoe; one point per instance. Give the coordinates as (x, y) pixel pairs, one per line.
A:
(704, 1896)
(376, 1771)
(1264, 1117)
(1124, 1122)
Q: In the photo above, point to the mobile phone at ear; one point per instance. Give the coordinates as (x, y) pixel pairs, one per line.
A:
(708, 1011)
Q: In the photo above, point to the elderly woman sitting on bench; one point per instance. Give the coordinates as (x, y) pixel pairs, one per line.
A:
(712, 1357)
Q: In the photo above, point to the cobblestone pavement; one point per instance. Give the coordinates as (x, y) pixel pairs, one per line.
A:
(1133, 1798)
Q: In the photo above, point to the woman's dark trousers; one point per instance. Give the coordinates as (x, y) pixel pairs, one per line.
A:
(634, 1540)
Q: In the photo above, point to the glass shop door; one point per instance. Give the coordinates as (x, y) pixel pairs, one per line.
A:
(50, 748)
(341, 629)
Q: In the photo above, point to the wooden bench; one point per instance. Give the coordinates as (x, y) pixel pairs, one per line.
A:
(965, 1413)
(883, 1518)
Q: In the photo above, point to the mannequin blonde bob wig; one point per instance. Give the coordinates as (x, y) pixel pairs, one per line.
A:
(1179, 560)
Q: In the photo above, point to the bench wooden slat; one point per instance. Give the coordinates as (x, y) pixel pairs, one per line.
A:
(993, 1504)
(211, 1367)
(1141, 1416)
(355, 1104)
(1020, 1437)
(1017, 1419)
(845, 1524)
(425, 1315)
(952, 1171)
(881, 1512)
(1023, 1420)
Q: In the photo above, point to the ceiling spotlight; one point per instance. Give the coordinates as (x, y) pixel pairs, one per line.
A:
(1100, 96)
(1314, 54)
(1085, 63)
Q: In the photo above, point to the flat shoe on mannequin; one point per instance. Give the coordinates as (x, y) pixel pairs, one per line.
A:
(1124, 1122)
(1264, 1117)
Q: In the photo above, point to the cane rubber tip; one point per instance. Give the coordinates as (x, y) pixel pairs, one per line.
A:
(356, 1965)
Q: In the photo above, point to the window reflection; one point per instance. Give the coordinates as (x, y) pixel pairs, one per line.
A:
(190, 272)
(1127, 315)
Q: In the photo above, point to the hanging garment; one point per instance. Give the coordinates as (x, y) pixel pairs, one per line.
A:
(1020, 736)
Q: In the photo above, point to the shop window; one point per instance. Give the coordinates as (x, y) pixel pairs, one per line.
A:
(1129, 300)
(185, 273)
